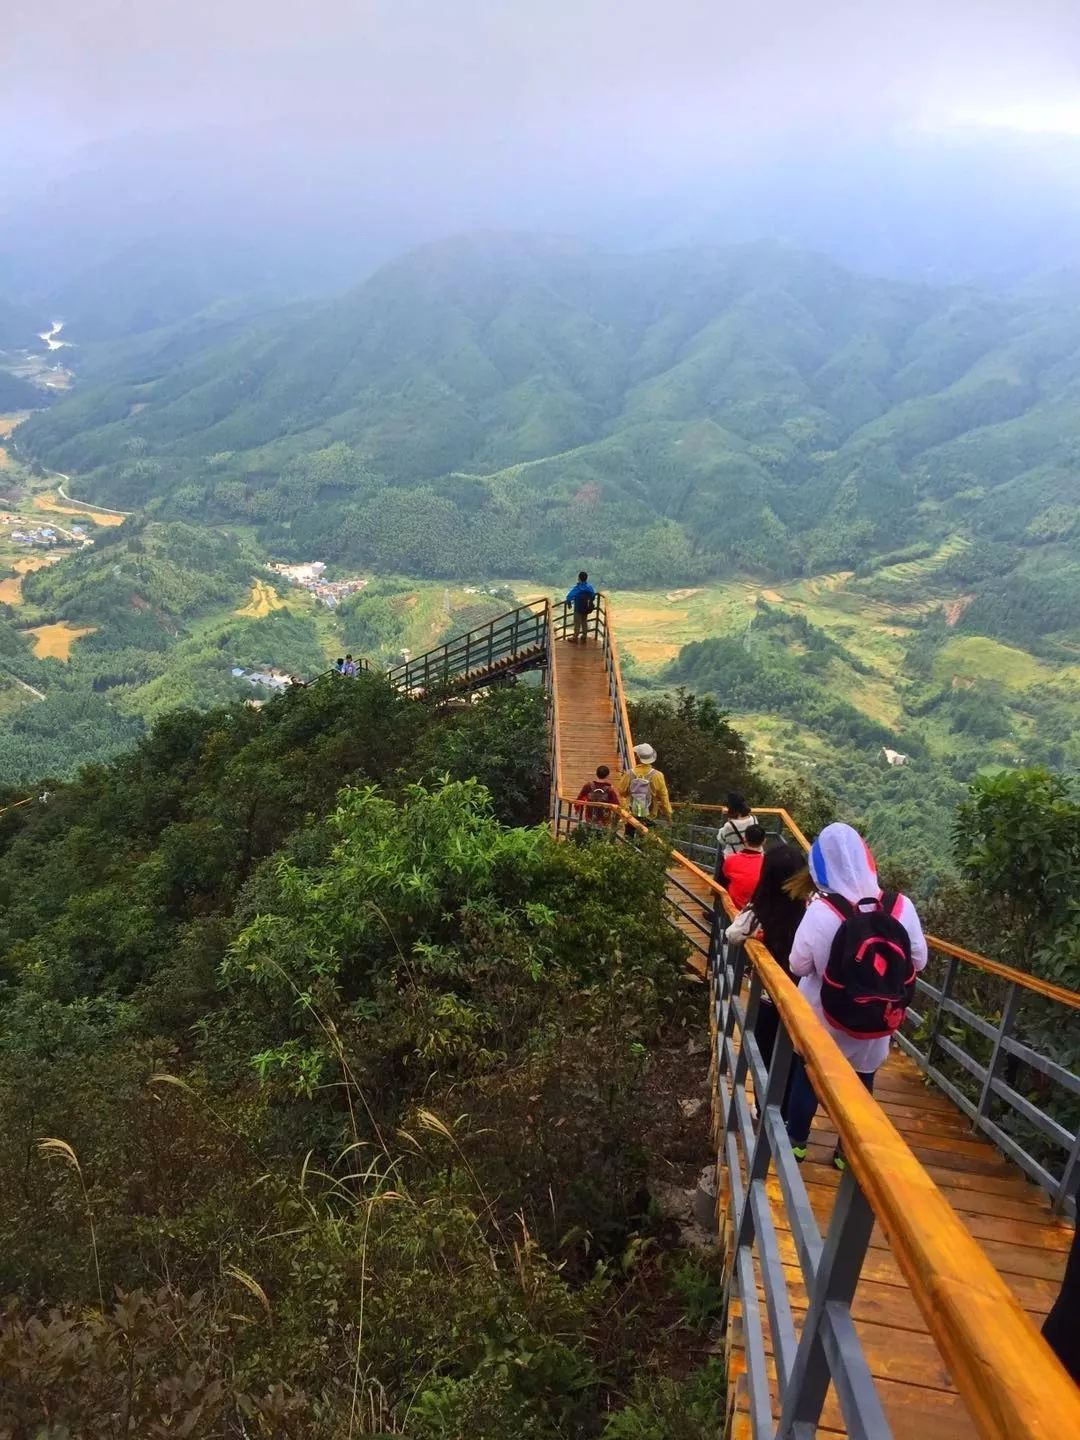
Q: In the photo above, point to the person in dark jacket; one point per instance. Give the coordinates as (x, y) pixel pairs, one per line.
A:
(779, 915)
(583, 598)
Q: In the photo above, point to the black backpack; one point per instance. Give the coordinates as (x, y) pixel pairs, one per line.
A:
(869, 980)
(585, 604)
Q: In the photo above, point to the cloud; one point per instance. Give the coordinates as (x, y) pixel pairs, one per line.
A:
(375, 124)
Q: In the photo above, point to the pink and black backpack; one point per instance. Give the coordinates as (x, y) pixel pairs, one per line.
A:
(869, 980)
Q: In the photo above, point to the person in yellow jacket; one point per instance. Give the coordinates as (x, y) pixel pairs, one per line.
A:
(643, 790)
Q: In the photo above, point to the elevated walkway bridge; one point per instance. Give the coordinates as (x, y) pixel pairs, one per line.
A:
(902, 1298)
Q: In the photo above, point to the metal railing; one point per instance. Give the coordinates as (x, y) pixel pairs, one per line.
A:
(511, 641)
(551, 696)
(980, 1030)
(974, 1030)
(696, 829)
(363, 667)
(620, 719)
(1011, 1382)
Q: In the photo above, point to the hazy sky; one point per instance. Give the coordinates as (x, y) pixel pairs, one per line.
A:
(655, 77)
(432, 115)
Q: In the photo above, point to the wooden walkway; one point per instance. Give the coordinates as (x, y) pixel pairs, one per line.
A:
(1009, 1216)
(587, 735)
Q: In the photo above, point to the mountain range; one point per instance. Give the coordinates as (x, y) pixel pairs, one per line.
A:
(509, 405)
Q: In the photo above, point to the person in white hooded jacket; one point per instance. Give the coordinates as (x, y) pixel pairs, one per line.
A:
(840, 864)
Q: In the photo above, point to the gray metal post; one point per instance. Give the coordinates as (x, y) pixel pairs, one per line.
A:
(834, 1286)
(1065, 1197)
(946, 989)
(1008, 1014)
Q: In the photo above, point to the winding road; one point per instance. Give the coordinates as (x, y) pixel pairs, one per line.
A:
(83, 504)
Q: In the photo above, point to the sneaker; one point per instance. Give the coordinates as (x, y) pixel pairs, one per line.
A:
(799, 1151)
(839, 1163)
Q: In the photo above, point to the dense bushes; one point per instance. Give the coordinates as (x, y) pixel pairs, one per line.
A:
(345, 1084)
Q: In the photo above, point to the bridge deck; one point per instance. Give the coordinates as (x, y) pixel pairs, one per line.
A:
(1010, 1217)
(587, 735)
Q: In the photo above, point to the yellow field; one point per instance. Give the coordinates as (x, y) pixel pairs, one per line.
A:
(264, 598)
(57, 507)
(54, 642)
(11, 588)
(26, 563)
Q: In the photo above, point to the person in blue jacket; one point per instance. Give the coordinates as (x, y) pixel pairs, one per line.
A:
(583, 598)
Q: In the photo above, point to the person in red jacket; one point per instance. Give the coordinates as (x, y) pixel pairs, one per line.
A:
(601, 792)
(740, 872)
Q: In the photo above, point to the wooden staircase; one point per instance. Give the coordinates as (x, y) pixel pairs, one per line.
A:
(588, 735)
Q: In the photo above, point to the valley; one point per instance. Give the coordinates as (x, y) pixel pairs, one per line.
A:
(806, 491)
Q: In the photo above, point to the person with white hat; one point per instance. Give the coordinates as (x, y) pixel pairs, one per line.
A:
(643, 790)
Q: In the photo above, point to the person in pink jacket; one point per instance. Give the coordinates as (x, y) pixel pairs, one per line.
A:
(841, 864)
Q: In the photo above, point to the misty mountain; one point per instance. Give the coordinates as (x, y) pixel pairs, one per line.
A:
(18, 394)
(18, 326)
(504, 404)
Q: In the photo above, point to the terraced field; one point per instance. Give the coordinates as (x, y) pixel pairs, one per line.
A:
(264, 599)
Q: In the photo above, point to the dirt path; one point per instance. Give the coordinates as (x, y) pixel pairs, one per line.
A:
(37, 694)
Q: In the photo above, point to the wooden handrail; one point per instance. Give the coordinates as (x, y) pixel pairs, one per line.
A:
(1011, 1381)
(758, 810)
(1045, 988)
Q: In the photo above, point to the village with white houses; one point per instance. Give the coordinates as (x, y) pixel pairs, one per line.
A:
(311, 576)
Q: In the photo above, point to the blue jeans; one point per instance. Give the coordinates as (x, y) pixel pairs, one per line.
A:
(803, 1103)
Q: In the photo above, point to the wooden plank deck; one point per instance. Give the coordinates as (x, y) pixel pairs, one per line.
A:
(587, 735)
(1010, 1217)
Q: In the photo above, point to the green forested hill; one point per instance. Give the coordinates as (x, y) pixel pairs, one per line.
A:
(507, 404)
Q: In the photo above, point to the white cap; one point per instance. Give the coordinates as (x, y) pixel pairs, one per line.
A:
(645, 753)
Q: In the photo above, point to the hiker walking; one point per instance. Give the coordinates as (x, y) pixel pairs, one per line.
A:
(778, 909)
(741, 872)
(350, 666)
(594, 795)
(583, 599)
(858, 950)
(732, 834)
(643, 790)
